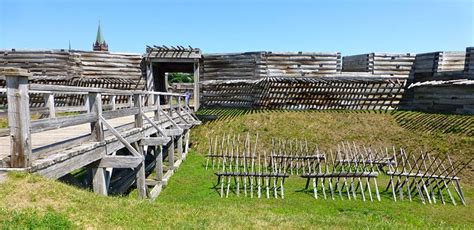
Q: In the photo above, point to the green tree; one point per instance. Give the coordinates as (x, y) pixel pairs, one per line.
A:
(180, 78)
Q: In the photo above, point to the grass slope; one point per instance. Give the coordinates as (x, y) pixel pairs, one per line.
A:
(189, 201)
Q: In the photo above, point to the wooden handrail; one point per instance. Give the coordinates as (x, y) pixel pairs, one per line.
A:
(40, 88)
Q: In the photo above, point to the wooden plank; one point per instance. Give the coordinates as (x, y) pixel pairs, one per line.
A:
(62, 122)
(120, 138)
(154, 141)
(120, 161)
(173, 132)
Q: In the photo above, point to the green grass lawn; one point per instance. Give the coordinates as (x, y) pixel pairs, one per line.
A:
(189, 201)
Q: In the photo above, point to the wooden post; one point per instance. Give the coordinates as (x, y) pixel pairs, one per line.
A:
(138, 103)
(196, 86)
(159, 164)
(157, 105)
(49, 103)
(113, 98)
(94, 104)
(18, 116)
(141, 177)
(186, 143)
(170, 102)
(150, 83)
(99, 183)
(180, 146)
(171, 154)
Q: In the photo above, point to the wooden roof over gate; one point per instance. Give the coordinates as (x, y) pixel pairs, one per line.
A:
(172, 54)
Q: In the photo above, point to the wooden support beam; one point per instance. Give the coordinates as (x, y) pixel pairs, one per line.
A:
(95, 107)
(120, 161)
(154, 141)
(186, 143)
(120, 138)
(180, 147)
(141, 176)
(196, 86)
(159, 164)
(185, 126)
(99, 183)
(94, 102)
(138, 103)
(156, 191)
(18, 116)
(173, 132)
(171, 155)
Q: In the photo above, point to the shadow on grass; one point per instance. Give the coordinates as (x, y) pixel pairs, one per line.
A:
(435, 123)
(413, 121)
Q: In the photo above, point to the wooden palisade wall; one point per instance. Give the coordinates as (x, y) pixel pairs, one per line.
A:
(380, 64)
(256, 65)
(75, 68)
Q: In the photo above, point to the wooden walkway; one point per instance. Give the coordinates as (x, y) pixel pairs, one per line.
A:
(100, 136)
(51, 137)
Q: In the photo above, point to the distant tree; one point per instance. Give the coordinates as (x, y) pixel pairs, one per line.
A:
(180, 78)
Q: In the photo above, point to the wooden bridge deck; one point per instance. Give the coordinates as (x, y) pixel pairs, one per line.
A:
(51, 137)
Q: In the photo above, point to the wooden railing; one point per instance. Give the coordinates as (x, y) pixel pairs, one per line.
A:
(99, 106)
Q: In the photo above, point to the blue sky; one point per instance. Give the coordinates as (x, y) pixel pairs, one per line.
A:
(346, 26)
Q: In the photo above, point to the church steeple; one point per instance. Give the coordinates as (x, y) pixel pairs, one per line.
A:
(100, 44)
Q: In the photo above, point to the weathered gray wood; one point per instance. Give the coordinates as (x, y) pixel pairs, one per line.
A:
(186, 142)
(4, 132)
(18, 116)
(49, 103)
(99, 184)
(173, 132)
(197, 103)
(112, 99)
(120, 162)
(138, 103)
(159, 164)
(156, 191)
(120, 113)
(154, 141)
(171, 154)
(160, 130)
(120, 137)
(87, 154)
(180, 146)
(95, 107)
(62, 122)
(141, 177)
(67, 89)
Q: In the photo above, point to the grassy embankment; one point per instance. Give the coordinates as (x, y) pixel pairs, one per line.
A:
(190, 201)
